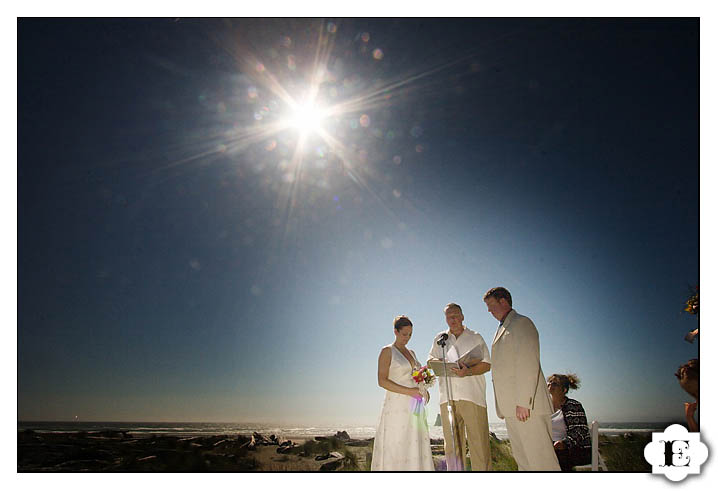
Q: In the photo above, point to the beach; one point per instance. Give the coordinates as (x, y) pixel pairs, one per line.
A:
(122, 451)
(116, 451)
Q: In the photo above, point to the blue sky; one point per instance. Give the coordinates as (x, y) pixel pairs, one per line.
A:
(162, 274)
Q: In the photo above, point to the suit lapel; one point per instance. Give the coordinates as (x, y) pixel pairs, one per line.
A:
(500, 332)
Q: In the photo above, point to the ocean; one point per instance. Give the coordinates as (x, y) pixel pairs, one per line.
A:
(286, 431)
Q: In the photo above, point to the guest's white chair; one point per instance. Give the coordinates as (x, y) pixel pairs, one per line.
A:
(596, 459)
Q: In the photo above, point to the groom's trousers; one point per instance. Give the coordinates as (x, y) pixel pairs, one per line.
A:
(531, 443)
(472, 421)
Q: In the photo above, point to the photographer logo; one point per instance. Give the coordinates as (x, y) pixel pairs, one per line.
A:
(676, 453)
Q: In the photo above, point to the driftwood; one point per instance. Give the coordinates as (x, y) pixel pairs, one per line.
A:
(330, 455)
(359, 443)
(261, 439)
(286, 449)
(91, 452)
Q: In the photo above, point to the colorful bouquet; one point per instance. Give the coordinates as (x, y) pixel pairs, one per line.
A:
(424, 375)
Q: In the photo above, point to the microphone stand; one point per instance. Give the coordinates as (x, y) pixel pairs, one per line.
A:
(450, 407)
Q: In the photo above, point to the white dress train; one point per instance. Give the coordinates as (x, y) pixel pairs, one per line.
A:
(402, 437)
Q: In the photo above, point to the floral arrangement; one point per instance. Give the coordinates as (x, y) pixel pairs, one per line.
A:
(424, 375)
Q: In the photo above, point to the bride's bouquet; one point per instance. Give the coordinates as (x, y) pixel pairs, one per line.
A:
(424, 376)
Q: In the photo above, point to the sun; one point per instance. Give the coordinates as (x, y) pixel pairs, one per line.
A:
(307, 118)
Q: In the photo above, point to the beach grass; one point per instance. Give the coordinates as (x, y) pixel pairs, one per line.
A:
(620, 453)
(501, 458)
(352, 462)
(624, 453)
(287, 463)
(302, 457)
(120, 452)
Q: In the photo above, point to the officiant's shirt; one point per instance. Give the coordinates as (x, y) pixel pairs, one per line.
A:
(470, 388)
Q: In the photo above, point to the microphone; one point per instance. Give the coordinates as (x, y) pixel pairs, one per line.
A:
(442, 340)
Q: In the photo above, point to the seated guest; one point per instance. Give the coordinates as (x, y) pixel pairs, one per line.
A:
(571, 439)
(688, 375)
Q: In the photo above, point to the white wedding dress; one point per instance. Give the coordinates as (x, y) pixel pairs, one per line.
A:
(402, 437)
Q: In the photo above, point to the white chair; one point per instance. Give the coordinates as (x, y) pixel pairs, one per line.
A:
(596, 459)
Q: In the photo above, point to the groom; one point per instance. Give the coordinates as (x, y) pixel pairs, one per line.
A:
(468, 390)
(520, 392)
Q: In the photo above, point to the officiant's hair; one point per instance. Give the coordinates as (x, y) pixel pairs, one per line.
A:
(452, 305)
(498, 293)
(402, 321)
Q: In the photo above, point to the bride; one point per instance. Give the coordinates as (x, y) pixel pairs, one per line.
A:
(402, 438)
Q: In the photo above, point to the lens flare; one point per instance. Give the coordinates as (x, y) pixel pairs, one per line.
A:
(307, 118)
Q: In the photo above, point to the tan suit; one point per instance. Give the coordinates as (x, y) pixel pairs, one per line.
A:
(519, 381)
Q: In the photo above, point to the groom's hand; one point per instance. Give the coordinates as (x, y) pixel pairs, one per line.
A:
(522, 413)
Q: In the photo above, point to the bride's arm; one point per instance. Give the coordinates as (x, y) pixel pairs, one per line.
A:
(383, 376)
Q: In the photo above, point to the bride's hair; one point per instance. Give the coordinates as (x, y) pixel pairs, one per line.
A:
(402, 321)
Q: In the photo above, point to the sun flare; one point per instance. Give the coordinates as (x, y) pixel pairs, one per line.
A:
(307, 118)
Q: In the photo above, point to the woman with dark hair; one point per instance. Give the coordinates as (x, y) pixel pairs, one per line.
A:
(402, 441)
(571, 438)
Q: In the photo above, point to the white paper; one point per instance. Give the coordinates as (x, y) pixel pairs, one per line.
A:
(452, 356)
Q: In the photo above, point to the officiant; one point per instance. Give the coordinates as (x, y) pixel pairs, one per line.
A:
(468, 391)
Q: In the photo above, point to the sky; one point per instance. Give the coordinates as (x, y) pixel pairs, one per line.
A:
(186, 253)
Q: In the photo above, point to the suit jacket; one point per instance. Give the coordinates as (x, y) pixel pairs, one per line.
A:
(516, 368)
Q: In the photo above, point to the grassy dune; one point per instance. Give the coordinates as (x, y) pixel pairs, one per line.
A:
(121, 452)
